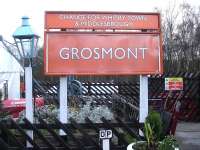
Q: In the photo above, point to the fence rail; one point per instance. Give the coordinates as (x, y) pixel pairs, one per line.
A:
(78, 136)
(129, 93)
(190, 98)
(123, 99)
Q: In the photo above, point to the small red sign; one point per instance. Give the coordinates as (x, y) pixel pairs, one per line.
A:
(174, 83)
(101, 20)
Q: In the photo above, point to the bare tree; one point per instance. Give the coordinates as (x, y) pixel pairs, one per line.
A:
(181, 32)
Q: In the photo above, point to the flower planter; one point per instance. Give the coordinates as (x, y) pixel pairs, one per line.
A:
(130, 146)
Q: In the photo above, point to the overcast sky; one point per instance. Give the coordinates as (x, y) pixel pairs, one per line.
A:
(11, 11)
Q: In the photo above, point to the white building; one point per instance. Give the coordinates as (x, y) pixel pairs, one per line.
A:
(10, 71)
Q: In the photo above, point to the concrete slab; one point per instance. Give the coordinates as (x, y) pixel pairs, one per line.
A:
(188, 135)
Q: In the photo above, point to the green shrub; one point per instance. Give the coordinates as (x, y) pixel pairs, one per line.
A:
(168, 143)
(153, 135)
(155, 122)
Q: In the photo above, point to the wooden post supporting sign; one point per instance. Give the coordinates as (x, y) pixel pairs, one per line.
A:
(143, 111)
(63, 102)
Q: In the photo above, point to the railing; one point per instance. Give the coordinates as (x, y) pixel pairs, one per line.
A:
(190, 110)
(78, 136)
(104, 91)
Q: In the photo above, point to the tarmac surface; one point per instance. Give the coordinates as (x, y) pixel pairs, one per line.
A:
(188, 135)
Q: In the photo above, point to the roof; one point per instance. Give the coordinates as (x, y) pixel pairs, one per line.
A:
(8, 64)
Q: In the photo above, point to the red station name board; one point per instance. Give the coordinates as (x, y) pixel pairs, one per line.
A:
(75, 50)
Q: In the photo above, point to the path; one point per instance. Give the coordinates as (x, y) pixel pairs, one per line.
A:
(188, 135)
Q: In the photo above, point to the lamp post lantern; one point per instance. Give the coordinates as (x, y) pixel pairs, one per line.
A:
(27, 41)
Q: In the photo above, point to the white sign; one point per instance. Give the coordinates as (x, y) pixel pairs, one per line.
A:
(175, 83)
(105, 134)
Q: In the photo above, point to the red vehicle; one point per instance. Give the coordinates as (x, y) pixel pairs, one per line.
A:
(15, 106)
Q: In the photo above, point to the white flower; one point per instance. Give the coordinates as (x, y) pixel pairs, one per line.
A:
(94, 113)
